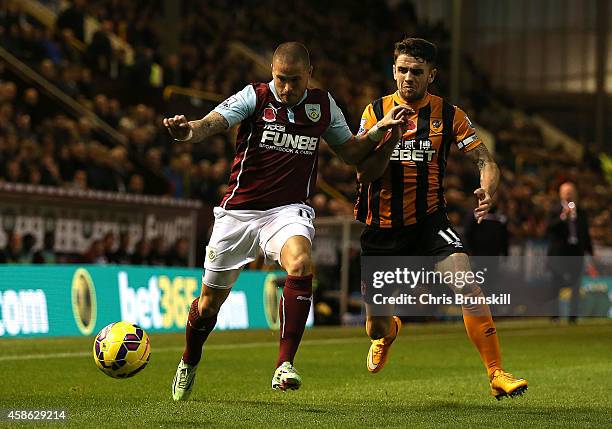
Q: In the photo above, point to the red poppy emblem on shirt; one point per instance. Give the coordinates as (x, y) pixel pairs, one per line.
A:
(269, 114)
(411, 125)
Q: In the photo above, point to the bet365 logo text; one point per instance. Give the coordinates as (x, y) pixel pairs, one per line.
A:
(162, 303)
(413, 150)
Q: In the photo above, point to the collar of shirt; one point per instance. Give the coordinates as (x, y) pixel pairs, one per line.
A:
(273, 89)
(421, 103)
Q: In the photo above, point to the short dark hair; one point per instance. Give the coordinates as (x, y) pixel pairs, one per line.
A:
(293, 52)
(417, 48)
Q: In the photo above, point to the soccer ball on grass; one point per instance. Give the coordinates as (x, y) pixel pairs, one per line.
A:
(121, 349)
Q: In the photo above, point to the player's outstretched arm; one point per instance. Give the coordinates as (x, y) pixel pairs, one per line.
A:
(489, 179)
(194, 131)
(357, 148)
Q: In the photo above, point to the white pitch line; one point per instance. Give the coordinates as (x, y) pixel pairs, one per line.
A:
(315, 342)
(175, 349)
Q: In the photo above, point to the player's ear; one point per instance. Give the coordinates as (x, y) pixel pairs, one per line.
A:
(432, 75)
(394, 72)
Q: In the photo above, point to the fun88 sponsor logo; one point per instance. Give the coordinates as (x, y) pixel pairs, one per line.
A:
(275, 134)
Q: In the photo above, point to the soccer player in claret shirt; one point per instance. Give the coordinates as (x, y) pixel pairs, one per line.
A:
(265, 207)
(401, 201)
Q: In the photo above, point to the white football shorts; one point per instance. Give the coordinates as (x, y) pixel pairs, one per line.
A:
(238, 235)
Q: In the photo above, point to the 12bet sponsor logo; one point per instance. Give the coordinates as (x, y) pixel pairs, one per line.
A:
(413, 150)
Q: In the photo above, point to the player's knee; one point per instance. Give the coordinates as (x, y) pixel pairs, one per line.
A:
(299, 265)
(210, 305)
(208, 309)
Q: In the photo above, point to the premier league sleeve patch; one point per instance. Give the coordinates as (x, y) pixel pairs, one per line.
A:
(362, 126)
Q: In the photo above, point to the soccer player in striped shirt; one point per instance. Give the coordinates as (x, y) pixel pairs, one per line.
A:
(401, 201)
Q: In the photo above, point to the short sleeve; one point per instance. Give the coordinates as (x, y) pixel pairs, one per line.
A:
(368, 120)
(239, 106)
(464, 132)
(338, 131)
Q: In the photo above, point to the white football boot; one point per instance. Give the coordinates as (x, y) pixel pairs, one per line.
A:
(286, 378)
(183, 381)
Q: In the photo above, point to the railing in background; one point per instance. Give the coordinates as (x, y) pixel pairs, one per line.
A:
(78, 217)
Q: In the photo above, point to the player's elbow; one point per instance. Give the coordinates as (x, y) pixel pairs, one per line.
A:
(365, 176)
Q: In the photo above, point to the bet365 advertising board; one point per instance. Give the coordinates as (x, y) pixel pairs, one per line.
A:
(64, 300)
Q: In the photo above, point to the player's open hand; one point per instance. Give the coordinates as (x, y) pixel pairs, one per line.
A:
(395, 117)
(178, 127)
(484, 204)
(401, 115)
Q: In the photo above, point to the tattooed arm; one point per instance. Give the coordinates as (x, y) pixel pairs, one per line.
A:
(195, 131)
(489, 179)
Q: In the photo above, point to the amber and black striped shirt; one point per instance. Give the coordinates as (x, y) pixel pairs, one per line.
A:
(412, 185)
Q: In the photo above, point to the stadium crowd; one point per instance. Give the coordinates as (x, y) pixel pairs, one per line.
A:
(108, 249)
(41, 145)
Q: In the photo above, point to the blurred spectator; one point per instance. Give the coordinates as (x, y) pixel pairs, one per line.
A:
(157, 253)
(32, 107)
(47, 254)
(95, 254)
(569, 240)
(13, 252)
(28, 244)
(154, 181)
(79, 181)
(99, 173)
(73, 18)
(141, 253)
(108, 242)
(122, 256)
(14, 172)
(178, 256)
(172, 70)
(100, 50)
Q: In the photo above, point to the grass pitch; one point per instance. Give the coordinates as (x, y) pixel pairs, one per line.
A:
(433, 379)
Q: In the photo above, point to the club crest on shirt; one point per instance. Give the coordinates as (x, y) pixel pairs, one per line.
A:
(269, 113)
(211, 253)
(313, 111)
(436, 124)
